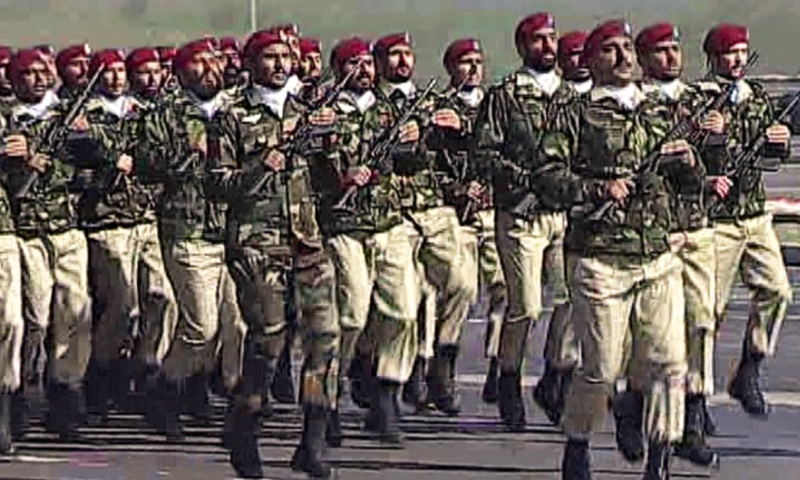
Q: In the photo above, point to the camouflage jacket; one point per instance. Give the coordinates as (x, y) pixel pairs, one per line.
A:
(6, 219)
(412, 164)
(164, 154)
(611, 142)
(744, 122)
(689, 190)
(267, 209)
(111, 198)
(49, 205)
(510, 132)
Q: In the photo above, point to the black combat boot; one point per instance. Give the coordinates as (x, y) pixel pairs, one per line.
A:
(170, 424)
(509, 401)
(577, 461)
(709, 424)
(658, 461)
(547, 394)
(6, 447)
(243, 442)
(64, 412)
(693, 446)
(628, 408)
(196, 401)
(308, 457)
(96, 386)
(441, 380)
(360, 375)
(20, 414)
(282, 388)
(414, 389)
(489, 393)
(387, 414)
(745, 386)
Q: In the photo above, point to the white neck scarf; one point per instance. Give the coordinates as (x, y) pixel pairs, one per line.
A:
(273, 99)
(548, 82)
(472, 97)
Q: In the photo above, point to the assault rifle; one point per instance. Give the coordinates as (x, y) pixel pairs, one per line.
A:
(687, 129)
(57, 136)
(387, 142)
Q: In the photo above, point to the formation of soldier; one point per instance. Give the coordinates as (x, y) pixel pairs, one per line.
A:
(172, 218)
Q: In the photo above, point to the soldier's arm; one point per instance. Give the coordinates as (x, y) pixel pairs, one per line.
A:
(490, 134)
(780, 151)
(158, 146)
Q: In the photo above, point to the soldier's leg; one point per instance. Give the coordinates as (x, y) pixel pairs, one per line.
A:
(12, 329)
(320, 331)
(71, 329)
(521, 245)
(729, 241)
(764, 274)
(492, 282)
(603, 297)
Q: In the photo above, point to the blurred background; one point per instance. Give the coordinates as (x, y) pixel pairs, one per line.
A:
(433, 23)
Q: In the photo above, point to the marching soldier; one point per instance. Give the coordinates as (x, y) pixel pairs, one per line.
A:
(145, 74)
(169, 80)
(574, 72)
(744, 237)
(6, 89)
(233, 63)
(310, 69)
(530, 229)
(172, 151)
(626, 276)
(53, 250)
(259, 167)
(72, 64)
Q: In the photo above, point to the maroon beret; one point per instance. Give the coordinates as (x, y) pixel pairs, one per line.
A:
(348, 49)
(459, 48)
(309, 45)
(601, 33)
(263, 39)
(530, 24)
(5, 53)
(22, 60)
(140, 56)
(167, 54)
(229, 43)
(189, 50)
(287, 28)
(384, 44)
(105, 58)
(722, 37)
(655, 34)
(572, 42)
(69, 54)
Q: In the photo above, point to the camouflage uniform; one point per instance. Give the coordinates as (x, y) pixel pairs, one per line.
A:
(626, 276)
(54, 257)
(530, 228)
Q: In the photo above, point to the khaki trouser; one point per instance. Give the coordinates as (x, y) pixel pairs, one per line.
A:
(614, 294)
(12, 326)
(751, 247)
(378, 270)
(55, 294)
(210, 322)
(561, 347)
(436, 237)
(527, 248)
(129, 283)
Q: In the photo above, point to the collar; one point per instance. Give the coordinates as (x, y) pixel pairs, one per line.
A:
(208, 107)
(472, 97)
(672, 89)
(294, 84)
(628, 97)
(118, 107)
(274, 100)
(37, 111)
(349, 101)
(582, 86)
(547, 82)
(741, 92)
(407, 88)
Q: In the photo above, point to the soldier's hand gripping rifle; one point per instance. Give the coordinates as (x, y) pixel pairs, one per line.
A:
(57, 135)
(388, 140)
(687, 129)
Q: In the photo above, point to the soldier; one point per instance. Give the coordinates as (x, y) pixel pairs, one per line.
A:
(626, 276)
(53, 250)
(530, 229)
(292, 32)
(570, 47)
(72, 64)
(310, 69)
(744, 236)
(135, 301)
(257, 167)
(435, 225)
(6, 90)
(11, 322)
(232, 62)
(172, 150)
(49, 53)
(145, 74)
(168, 79)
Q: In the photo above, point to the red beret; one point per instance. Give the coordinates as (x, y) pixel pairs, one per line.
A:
(229, 43)
(348, 49)
(528, 25)
(309, 45)
(722, 37)
(601, 33)
(263, 39)
(167, 54)
(189, 50)
(384, 44)
(140, 56)
(46, 49)
(459, 48)
(105, 58)
(69, 54)
(572, 42)
(22, 60)
(287, 28)
(5, 53)
(655, 34)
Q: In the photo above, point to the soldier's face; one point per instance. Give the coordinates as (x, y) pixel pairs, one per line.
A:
(75, 73)
(273, 66)
(364, 79)
(146, 80)
(731, 63)
(540, 49)
(294, 46)
(400, 62)
(5, 83)
(52, 71)
(469, 70)
(663, 62)
(571, 66)
(614, 63)
(311, 66)
(114, 80)
(32, 83)
(202, 75)
(232, 59)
